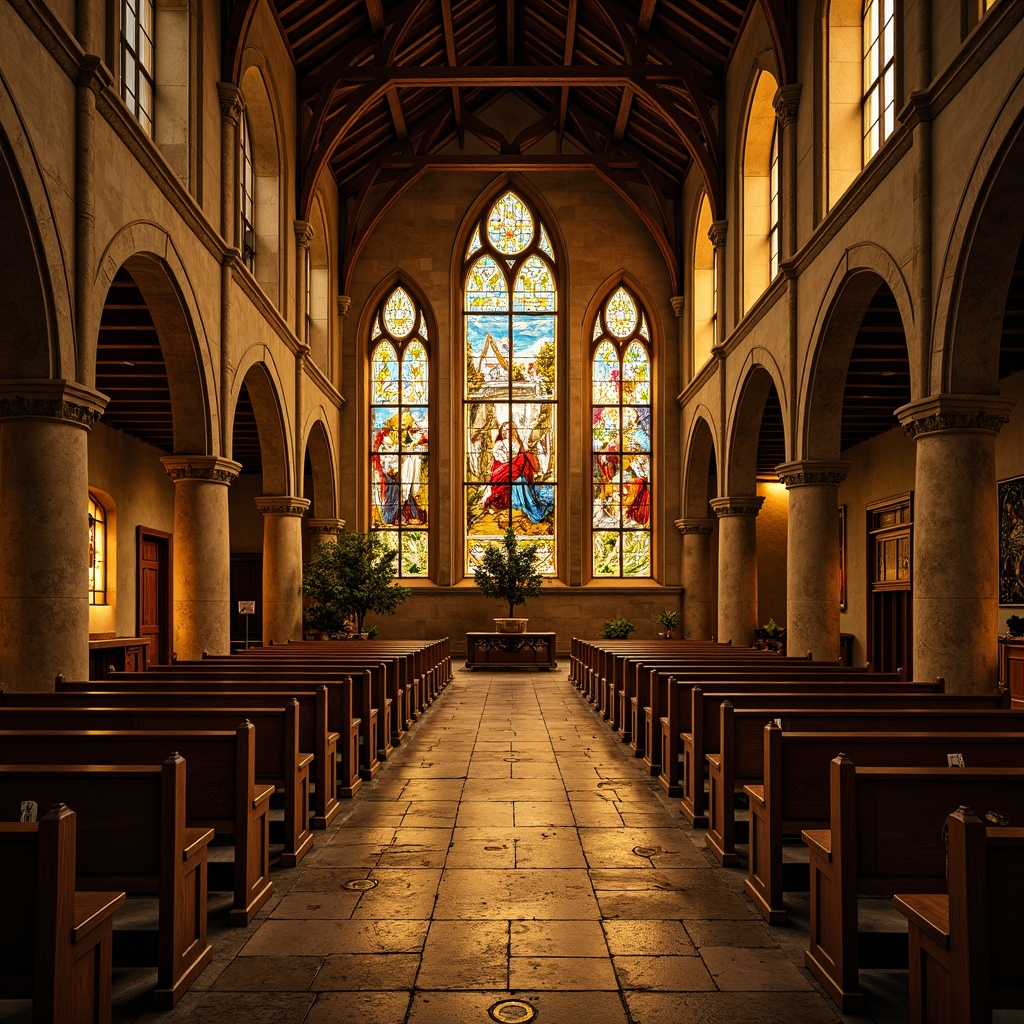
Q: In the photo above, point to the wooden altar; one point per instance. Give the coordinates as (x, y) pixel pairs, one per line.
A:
(510, 650)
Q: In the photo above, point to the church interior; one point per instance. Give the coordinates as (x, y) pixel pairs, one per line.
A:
(719, 305)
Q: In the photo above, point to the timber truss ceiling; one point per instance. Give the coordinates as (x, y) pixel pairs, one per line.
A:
(628, 90)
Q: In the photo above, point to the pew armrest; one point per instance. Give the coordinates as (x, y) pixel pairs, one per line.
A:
(928, 912)
(93, 911)
(196, 842)
(819, 841)
(755, 794)
(261, 795)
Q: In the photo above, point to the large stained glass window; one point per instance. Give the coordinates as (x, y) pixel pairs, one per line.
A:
(621, 439)
(399, 418)
(510, 291)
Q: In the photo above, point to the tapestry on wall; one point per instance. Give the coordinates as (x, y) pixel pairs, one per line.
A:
(1011, 541)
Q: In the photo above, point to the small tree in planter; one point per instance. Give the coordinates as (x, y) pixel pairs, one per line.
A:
(508, 572)
(350, 579)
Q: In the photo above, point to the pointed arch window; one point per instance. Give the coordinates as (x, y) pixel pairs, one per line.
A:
(621, 439)
(510, 323)
(97, 552)
(399, 422)
(879, 106)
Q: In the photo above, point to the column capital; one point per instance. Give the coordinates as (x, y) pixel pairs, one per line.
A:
(737, 505)
(48, 399)
(717, 233)
(812, 473)
(324, 528)
(678, 305)
(786, 102)
(282, 505)
(946, 414)
(700, 527)
(303, 233)
(344, 304)
(210, 468)
(232, 102)
(93, 74)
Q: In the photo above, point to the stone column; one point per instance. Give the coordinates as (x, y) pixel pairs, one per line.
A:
(201, 573)
(786, 103)
(812, 557)
(44, 532)
(303, 236)
(956, 537)
(698, 574)
(282, 567)
(324, 531)
(717, 236)
(232, 103)
(737, 567)
(683, 339)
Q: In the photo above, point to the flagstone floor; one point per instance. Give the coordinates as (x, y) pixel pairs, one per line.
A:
(516, 854)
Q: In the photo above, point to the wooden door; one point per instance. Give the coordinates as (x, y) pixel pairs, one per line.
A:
(890, 599)
(246, 585)
(153, 593)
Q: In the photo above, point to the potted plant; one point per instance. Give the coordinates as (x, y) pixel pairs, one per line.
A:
(669, 619)
(617, 629)
(348, 580)
(508, 572)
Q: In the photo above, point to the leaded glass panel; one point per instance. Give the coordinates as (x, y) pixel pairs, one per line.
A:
(510, 225)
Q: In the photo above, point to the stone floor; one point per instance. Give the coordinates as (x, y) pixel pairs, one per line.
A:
(515, 852)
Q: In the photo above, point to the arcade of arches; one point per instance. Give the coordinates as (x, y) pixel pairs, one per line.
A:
(668, 296)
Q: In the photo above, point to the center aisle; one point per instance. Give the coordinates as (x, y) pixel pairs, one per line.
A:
(510, 850)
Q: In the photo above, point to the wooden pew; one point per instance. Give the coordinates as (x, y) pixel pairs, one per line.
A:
(795, 792)
(684, 775)
(740, 761)
(967, 948)
(279, 760)
(56, 943)
(885, 836)
(222, 792)
(132, 837)
(344, 696)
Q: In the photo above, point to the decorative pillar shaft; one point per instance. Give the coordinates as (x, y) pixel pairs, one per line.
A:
(737, 567)
(786, 103)
(44, 532)
(956, 537)
(282, 567)
(303, 236)
(202, 553)
(812, 558)
(232, 103)
(698, 576)
(683, 338)
(717, 236)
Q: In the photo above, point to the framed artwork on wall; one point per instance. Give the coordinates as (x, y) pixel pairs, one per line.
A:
(842, 558)
(1011, 541)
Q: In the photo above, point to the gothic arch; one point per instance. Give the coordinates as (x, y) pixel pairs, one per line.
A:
(971, 294)
(738, 474)
(854, 282)
(319, 319)
(147, 251)
(320, 447)
(265, 391)
(701, 446)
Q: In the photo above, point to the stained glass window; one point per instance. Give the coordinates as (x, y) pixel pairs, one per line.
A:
(510, 306)
(399, 422)
(621, 440)
(97, 552)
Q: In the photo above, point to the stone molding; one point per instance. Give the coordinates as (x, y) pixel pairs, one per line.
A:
(717, 233)
(282, 505)
(698, 527)
(812, 473)
(344, 304)
(325, 527)
(740, 505)
(786, 103)
(955, 414)
(208, 468)
(679, 305)
(46, 399)
(303, 233)
(94, 74)
(232, 102)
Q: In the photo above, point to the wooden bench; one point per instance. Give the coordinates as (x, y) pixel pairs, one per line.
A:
(740, 761)
(885, 837)
(967, 948)
(684, 764)
(56, 943)
(222, 792)
(132, 837)
(795, 792)
(279, 759)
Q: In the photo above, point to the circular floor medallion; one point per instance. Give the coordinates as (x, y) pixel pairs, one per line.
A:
(360, 884)
(512, 1011)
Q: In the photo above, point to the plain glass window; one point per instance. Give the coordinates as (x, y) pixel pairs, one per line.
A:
(137, 60)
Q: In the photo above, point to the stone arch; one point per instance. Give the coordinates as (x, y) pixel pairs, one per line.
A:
(319, 319)
(854, 282)
(738, 474)
(320, 448)
(265, 387)
(704, 287)
(147, 252)
(701, 448)
(35, 292)
(971, 294)
(262, 110)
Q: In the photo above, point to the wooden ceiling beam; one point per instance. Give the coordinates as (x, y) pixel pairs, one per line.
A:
(622, 118)
(448, 24)
(567, 54)
(646, 15)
